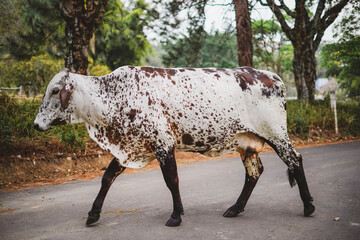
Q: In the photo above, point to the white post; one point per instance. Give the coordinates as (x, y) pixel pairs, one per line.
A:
(333, 106)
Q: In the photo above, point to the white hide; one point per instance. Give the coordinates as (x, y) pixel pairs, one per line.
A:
(134, 110)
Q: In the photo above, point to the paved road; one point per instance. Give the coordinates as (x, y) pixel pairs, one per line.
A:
(139, 204)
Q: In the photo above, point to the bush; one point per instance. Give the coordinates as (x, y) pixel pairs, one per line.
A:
(17, 120)
(33, 74)
(303, 117)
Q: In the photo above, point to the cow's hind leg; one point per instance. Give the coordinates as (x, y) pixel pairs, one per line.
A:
(254, 168)
(113, 170)
(168, 167)
(296, 172)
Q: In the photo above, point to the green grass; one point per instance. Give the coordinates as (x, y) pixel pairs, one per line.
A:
(17, 120)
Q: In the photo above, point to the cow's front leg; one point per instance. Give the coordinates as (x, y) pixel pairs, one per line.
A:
(166, 158)
(113, 170)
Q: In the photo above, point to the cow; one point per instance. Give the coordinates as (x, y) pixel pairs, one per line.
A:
(142, 113)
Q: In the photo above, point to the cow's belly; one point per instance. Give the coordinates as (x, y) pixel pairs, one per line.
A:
(239, 142)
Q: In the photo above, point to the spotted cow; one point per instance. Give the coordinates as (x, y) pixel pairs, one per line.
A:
(142, 113)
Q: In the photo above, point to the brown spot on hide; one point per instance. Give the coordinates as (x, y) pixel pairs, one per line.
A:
(199, 144)
(137, 77)
(171, 71)
(209, 70)
(187, 139)
(113, 135)
(58, 121)
(211, 139)
(244, 80)
(132, 114)
(267, 81)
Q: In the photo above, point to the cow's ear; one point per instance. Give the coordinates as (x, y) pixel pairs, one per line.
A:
(65, 95)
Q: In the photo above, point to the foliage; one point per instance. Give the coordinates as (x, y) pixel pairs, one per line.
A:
(32, 74)
(349, 27)
(271, 49)
(218, 50)
(342, 61)
(41, 29)
(305, 116)
(120, 39)
(99, 70)
(17, 121)
(185, 45)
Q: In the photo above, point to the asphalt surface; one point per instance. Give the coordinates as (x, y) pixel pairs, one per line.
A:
(138, 205)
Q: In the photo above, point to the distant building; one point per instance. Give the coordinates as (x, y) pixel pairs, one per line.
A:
(325, 86)
(321, 82)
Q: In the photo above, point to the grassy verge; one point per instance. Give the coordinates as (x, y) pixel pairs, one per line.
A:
(16, 125)
(17, 116)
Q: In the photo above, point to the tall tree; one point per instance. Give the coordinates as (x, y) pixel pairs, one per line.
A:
(244, 33)
(173, 25)
(120, 38)
(82, 18)
(305, 35)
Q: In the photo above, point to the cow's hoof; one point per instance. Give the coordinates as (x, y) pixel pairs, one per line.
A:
(309, 210)
(173, 221)
(233, 211)
(92, 218)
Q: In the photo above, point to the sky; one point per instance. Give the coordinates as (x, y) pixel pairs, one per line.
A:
(218, 16)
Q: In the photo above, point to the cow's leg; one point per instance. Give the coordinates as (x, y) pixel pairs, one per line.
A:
(168, 167)
(113, 170)
(296, 173)
(254, 168)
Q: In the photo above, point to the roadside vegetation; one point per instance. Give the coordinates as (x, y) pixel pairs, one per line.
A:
(304, 120)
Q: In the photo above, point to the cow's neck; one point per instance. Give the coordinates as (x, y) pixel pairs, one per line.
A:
(86, 106)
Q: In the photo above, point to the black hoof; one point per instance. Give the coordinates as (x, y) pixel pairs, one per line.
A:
(232, 212)
(92, 218)
(173, 221)
(309, 210)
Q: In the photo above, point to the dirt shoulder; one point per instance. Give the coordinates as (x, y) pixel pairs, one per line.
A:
(29, 165)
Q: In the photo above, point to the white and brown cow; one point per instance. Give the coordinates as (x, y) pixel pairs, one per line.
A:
(143, 113)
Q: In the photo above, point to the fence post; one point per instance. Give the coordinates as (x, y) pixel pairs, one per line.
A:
(333, 107)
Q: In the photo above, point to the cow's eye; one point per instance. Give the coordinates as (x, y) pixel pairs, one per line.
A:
(55, 91)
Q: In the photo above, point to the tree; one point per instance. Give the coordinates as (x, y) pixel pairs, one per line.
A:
(272, 51)
(120, 38)
(82, 18)
(218, 50)
(195, 16)
(342, 61)
(189, 47)
(34, 29)
(244, 33)
(305, 35)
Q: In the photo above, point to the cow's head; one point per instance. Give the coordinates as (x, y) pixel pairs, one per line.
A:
(54, 106)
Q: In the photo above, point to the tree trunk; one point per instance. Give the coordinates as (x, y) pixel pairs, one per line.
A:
(244, 33)
(304, 65)
(82, 18)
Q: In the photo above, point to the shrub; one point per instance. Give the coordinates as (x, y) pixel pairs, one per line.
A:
(302, 117)
(17, 120)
